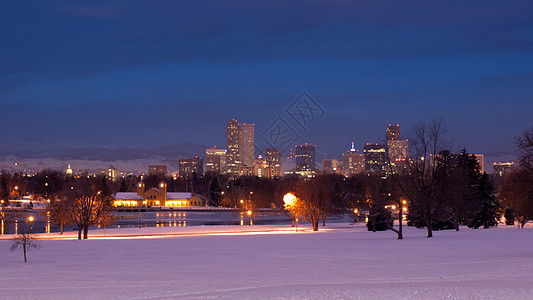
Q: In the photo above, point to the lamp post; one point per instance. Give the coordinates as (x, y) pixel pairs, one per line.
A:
(2, 213)
(31, 223)
(250, 214)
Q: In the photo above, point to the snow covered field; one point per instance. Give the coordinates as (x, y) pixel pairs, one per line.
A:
(274, 262)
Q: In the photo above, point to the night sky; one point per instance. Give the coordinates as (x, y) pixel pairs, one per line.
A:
(153, 73)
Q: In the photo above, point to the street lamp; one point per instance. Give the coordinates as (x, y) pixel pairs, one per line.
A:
(2, 213)
(31, 223)
(249, 212)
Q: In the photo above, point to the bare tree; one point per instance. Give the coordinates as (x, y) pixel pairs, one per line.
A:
(89, 202)
(312, 194)
(25, 240)
(525, 146)
(516, 192)
(419, 178)
(59, 213)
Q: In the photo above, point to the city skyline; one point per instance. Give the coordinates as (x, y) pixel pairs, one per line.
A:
(114, 75)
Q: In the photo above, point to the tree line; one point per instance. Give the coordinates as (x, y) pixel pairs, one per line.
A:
(434, 188)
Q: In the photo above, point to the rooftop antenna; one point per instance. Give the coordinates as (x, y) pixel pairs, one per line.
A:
(353, 147)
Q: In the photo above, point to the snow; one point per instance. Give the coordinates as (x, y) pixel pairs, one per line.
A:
(339, 261)
(127, 196)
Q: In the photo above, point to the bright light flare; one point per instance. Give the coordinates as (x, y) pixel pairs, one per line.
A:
(289, 199)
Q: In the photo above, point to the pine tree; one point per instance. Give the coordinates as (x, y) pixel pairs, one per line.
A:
(486, 207)
(215, 192)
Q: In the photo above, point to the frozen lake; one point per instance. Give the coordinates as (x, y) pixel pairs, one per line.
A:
(165, 218)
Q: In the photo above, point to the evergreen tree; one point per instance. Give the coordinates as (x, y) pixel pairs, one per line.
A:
(509, 215)
(215, 190)
(487, 208)
(379, 219)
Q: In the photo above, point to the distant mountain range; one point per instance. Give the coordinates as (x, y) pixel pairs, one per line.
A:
(129, 159)
(126, 159)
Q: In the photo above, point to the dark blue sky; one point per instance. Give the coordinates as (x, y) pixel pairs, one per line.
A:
(152, 73)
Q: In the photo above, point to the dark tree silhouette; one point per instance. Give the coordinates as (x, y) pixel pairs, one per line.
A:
(25, 240)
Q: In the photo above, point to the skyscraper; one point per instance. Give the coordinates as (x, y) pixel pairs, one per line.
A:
(233, 136)
(392, 132)
(215, 160)
(305, 158)
(375, 157)
(241, 148)
(353, 162)
(500, 169)
(481, 161)
(397, 149)
(273, 160)
(188, 167)
(331, 166)
(397, 155)
(246, 144)
(273, 157)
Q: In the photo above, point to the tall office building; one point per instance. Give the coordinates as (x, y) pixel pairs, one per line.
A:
(241, 148)
(110, 173)
(188, 167)
(273, 160)
(375, 157)
(353, 162)
(233, 136)
(305, 158)
(215, 160)
(273, 157)
(500, 169)
(397, 149)
(331, 166)
(481, 161)
(397, 155)
(392, 132)
(246, 144)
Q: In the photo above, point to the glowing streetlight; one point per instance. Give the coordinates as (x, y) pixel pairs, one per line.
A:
(289, 200)
(31, 223)
(249, 213)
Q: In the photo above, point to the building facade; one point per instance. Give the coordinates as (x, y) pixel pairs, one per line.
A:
(331, 166)
(247, 144)
(156, 197)
(189, 167)
(273, 160)
(481, 161)
(110, 173)
(353, 162)
(500, 169)
(375, 157)
(233, 136)
(304, 156)
(157, 170)
(392, 132)
(215, 161)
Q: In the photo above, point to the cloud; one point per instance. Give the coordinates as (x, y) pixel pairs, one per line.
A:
(77, 38)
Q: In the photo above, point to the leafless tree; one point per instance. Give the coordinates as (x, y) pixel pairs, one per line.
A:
(418, 182)
(525, 146)
(25, 240)
(312, 195)
(89, 202)
(59, 213)
(516, 192)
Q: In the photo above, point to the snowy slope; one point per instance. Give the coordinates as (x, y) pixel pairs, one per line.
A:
(343, 262)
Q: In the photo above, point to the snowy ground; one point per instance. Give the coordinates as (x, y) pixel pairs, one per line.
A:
(341, 262)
